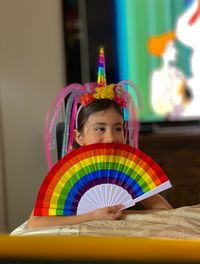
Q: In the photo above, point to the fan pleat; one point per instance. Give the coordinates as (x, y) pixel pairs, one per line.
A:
(96, 176)
(123, 198)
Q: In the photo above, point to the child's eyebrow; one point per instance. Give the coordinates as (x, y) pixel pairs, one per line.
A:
(118, 123)
(105, 124)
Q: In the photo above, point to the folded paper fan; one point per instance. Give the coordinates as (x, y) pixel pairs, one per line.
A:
(99, 175)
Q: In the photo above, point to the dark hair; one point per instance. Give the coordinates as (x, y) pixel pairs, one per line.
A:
(95, 106)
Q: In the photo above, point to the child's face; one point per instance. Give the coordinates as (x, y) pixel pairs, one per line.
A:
(102, 127)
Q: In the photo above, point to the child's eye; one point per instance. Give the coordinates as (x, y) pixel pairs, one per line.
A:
(100, 129)
(118, 129)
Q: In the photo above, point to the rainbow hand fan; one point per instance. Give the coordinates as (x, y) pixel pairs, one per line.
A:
(99, 175)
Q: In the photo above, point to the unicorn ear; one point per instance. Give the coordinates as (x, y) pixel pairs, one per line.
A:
(101, 80)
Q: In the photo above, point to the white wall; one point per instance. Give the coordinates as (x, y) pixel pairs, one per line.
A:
(31, 73)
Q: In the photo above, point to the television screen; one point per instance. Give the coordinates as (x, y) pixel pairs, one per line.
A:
(157, 49)
(153, 43)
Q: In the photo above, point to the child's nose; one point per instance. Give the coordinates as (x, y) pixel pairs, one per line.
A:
(109, 137)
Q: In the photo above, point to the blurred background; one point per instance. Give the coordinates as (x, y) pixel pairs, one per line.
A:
(32, 71)
(123, 28)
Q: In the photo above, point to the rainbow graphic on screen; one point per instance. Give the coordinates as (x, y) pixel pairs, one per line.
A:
(99, 175)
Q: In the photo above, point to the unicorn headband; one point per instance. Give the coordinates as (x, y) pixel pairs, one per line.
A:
(79, 96)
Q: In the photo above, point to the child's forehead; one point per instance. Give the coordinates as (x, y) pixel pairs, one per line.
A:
(109, 115)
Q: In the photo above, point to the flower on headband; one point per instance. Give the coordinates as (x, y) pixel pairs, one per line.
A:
(112, 92)
(105, 92)
(86, 99)
(119, 89)
(120, 100)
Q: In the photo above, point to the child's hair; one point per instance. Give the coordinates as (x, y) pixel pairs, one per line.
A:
(94, 107)
(84, 100)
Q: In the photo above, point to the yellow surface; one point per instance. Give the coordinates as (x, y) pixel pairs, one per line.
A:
(62, 247)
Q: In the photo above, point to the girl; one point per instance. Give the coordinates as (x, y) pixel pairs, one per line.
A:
(99, 119)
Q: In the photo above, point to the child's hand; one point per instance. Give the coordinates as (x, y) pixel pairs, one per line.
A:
(107, 213)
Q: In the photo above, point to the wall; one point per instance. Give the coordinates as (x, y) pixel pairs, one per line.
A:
(2, 183)
(31, 73)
